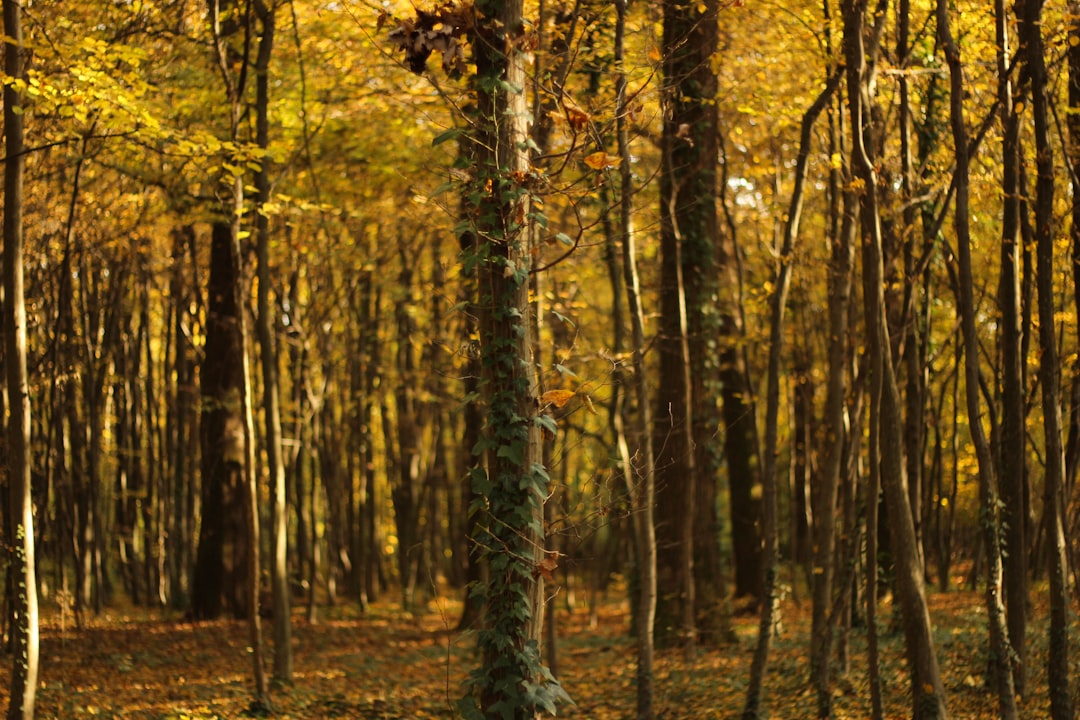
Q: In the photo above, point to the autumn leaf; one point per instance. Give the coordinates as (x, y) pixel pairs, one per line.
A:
(546, 567)
(558, 398)
(575, 116)
(601, 160)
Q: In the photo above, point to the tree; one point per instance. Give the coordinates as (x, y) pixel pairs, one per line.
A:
(275, 457)
(223, 547)
(1029, 13)
(640, 476)
(988, 476)
(20, 525)
(688, 231)
(928, 694)
(511, 681)
(1013, 442)
(778, 308)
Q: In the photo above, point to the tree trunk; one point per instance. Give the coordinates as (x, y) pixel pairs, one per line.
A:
(275, 457)
(988, 495)
(928, 695)
(1029, 13)
(842, 237)
(640, 478)
(778, 309)
(24, 666)
(688, 231)
(515, 483)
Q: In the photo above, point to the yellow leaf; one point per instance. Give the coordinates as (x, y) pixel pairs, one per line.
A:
(601, 160)
(558, 398)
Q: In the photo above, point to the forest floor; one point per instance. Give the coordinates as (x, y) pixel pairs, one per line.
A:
(386, 664)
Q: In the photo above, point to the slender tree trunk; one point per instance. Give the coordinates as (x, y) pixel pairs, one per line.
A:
(21, 512)
(928, 694)
(1032, 49)
(778, 307)
(640, 476)
(842, 243)
(988, 495)
(275, 457)
(1013, 440)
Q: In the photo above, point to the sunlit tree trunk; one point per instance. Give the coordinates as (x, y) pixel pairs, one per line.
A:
(638, 468)
(515, 481)
(275, 457)
(24, 621)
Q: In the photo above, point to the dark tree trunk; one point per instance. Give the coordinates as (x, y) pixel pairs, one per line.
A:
(688, 232)
(1013, 441)
(1029, 13)
(217, 581)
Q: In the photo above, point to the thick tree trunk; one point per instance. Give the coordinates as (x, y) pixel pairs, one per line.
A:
(688, 232)
(219, 566)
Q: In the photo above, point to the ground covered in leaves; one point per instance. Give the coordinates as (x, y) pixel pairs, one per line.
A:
(386, 664)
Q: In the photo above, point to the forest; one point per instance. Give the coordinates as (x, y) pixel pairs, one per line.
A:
(498, 359)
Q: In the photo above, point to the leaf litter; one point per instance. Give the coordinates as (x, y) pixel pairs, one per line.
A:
(391, 665)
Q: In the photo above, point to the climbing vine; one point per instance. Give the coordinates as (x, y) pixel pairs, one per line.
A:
(498, 208)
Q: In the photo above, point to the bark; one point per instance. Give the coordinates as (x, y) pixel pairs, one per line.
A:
(928, 695)
(640, 476)
(264, 327)
(222, 554)
(24, 606)
(988, 479)
(1032, 48)
(515, 482)
(219, 563)
(1013, 441)
(688, 231)
(842, 243)
(778, 308)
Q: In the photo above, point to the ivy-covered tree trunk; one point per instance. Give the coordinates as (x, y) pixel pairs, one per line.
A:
(24, 619)
(511, 683)
(688, 230)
